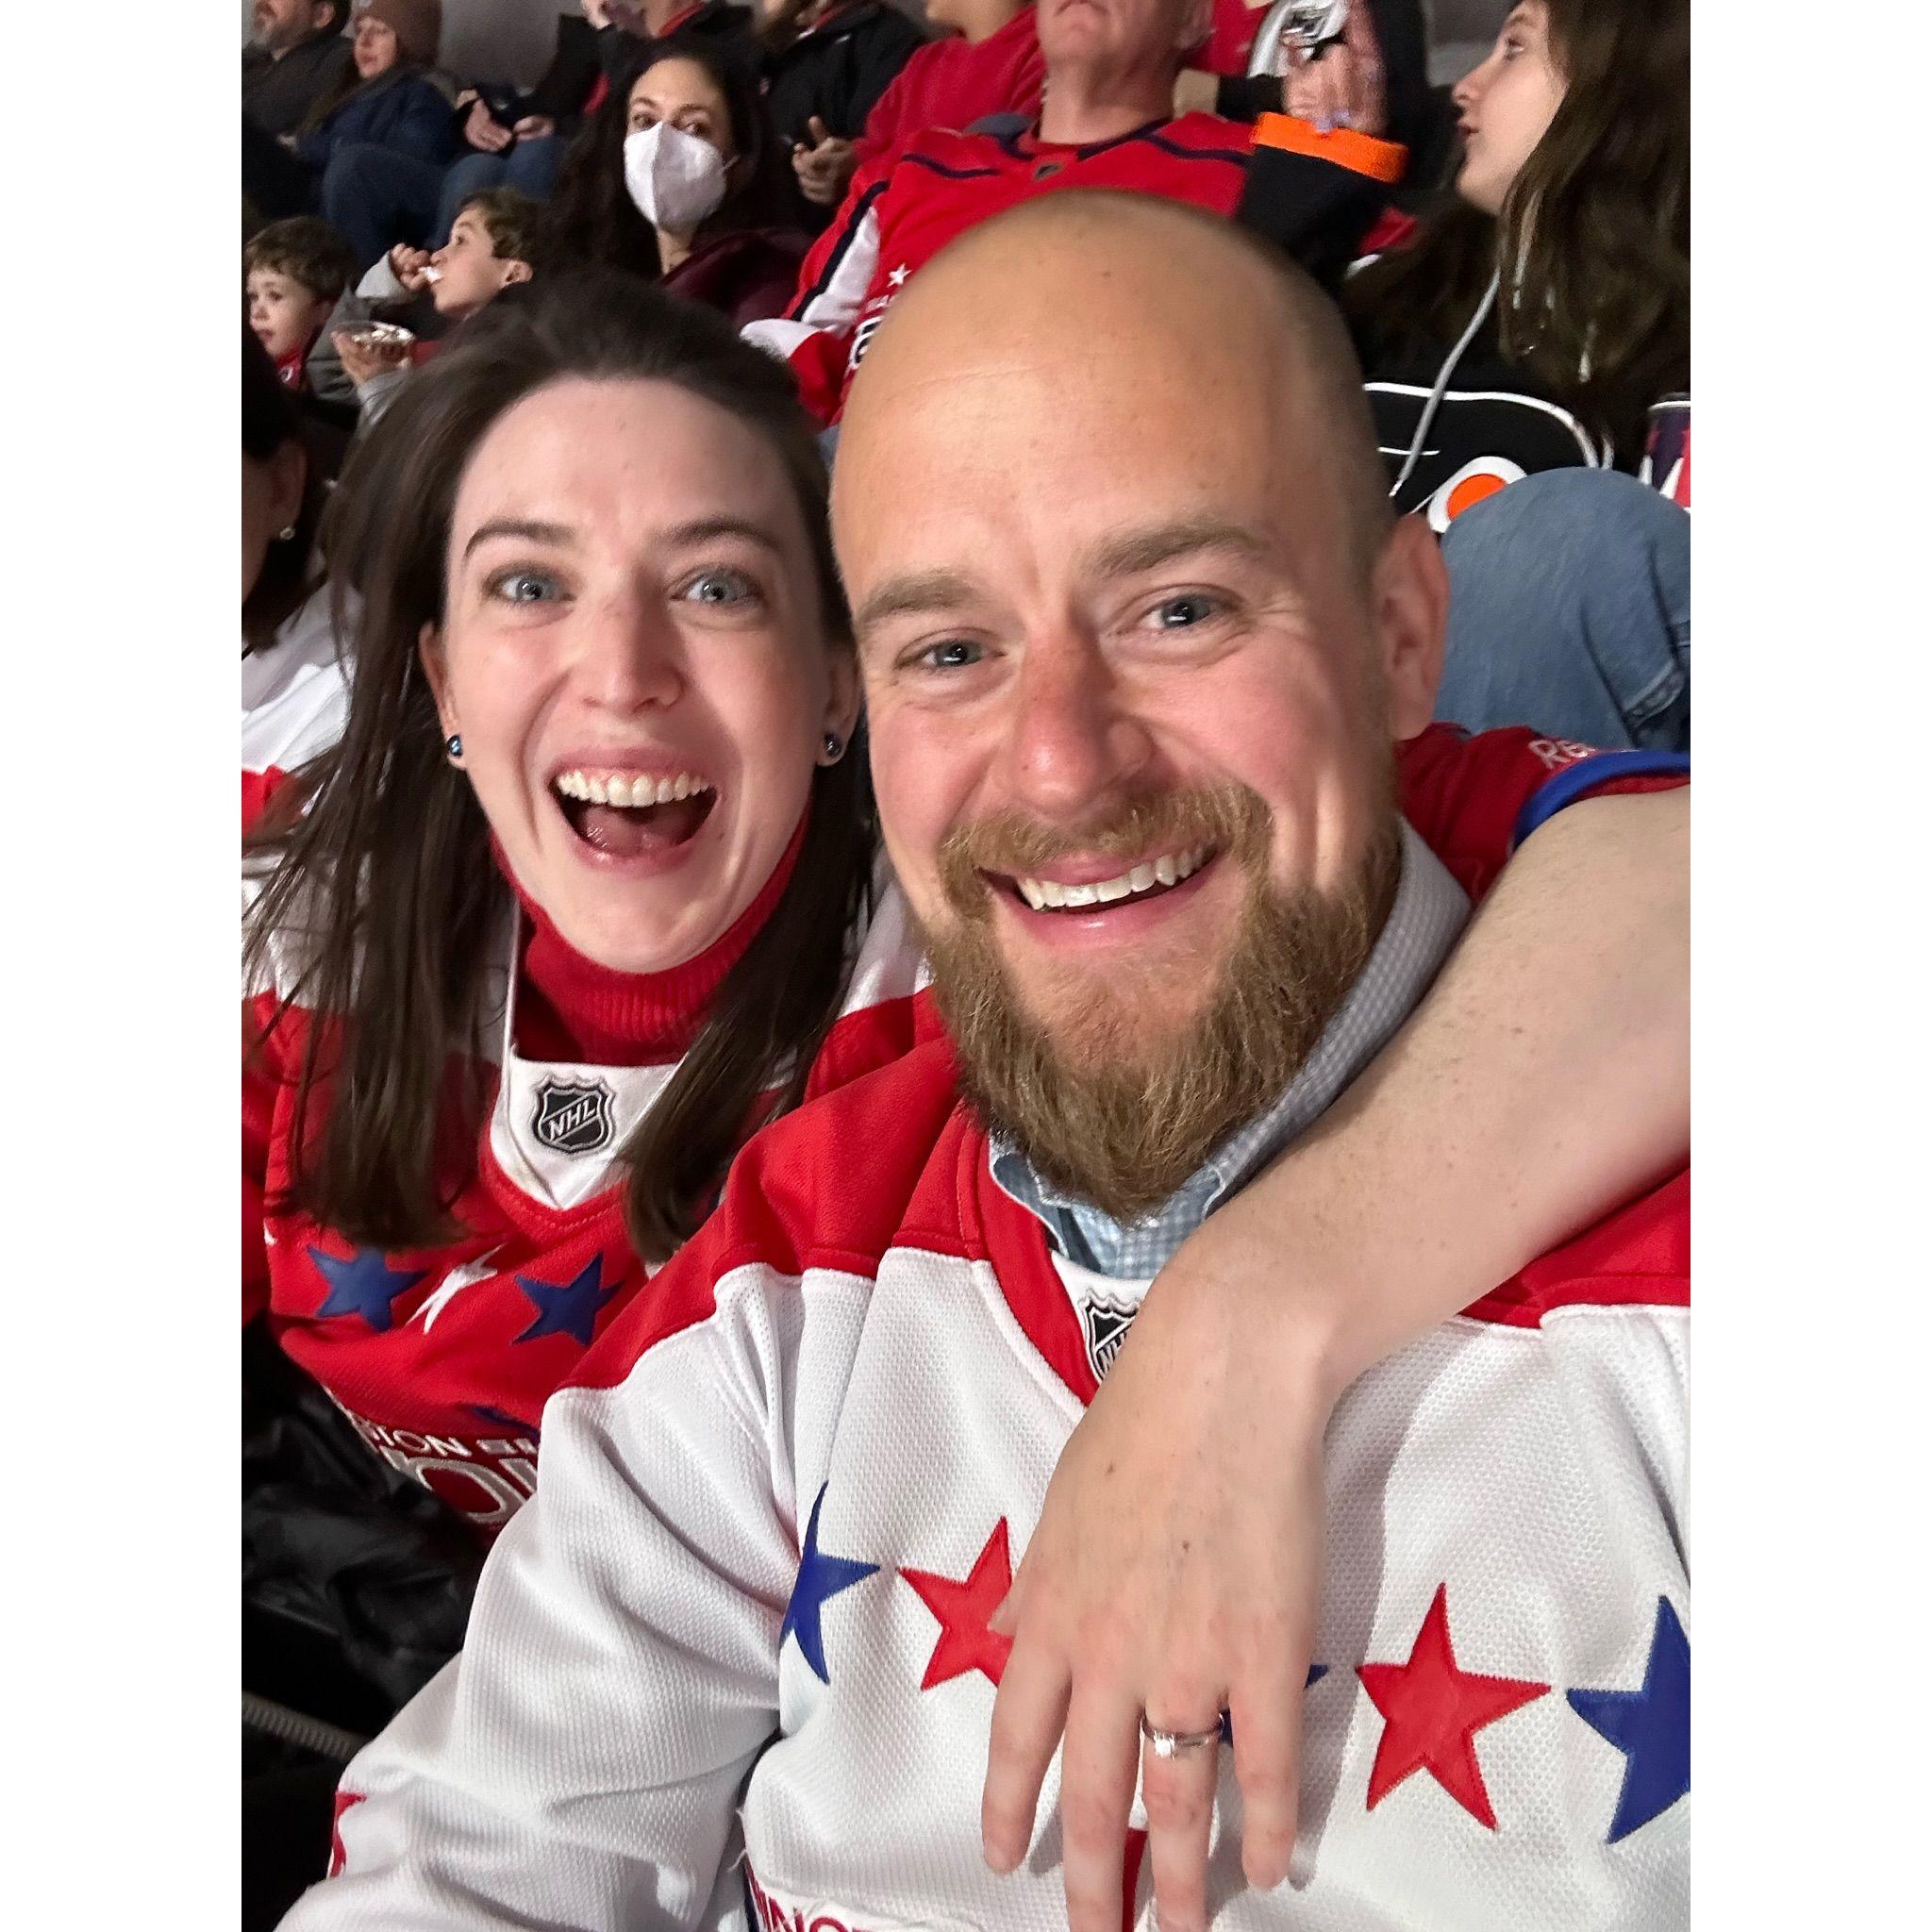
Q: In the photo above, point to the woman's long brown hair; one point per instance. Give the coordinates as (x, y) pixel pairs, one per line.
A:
(1593, 242)
(388, 876)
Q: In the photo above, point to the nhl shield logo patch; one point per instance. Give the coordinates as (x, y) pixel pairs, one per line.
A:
(1105, 1324)
(574, 1116)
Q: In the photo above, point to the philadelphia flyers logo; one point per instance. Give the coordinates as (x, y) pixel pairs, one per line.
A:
(1479, 478)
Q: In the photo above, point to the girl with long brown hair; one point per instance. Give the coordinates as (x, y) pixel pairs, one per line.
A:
(679, 176)
(1533, 322)
(1515, 348)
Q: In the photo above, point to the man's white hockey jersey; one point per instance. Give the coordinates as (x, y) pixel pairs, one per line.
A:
(731, 1666)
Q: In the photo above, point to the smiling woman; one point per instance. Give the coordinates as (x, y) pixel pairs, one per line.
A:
(574, 903)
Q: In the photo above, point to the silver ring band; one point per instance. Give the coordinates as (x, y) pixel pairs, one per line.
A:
(1173, 1744)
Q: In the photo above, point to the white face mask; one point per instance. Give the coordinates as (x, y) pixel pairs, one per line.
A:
(676, 180)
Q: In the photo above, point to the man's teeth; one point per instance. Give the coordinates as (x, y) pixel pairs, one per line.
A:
(1168, 870)
(607, 788)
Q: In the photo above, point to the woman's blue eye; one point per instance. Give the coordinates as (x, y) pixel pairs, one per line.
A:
(523, 587)
(719, 587)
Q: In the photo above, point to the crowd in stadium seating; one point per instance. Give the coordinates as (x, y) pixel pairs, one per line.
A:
(783, 640)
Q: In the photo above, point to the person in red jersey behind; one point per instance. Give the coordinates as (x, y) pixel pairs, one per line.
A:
(988, 62)
(1105, 121)
(1137, 654)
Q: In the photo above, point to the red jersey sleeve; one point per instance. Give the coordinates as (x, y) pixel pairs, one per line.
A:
(1474, 798)
(260, 1084)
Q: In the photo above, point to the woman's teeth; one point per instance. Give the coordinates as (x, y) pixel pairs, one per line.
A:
(1168, 870)
(607, 788)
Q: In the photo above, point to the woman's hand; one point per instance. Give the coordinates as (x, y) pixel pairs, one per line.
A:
(1176, 1567)
(534, 128)
(485, 133)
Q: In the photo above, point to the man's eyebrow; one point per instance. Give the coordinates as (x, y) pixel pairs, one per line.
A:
(1148, 549)
(912, 592)
(517, 527)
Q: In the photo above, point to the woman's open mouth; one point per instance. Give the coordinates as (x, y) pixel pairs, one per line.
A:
(627, 815)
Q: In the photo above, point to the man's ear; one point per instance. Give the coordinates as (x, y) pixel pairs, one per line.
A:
(515, 272)
(429, 654)
(1410, 595)
(1197, 22)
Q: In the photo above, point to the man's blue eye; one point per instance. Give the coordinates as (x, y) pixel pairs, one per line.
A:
(954, 654)
(1179, 614)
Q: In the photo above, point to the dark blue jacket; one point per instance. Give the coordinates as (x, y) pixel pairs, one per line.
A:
(403, 110)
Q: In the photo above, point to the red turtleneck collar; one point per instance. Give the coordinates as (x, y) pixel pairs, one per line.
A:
(571, 1009)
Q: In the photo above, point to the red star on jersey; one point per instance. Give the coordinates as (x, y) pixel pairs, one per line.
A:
(963, 1610)
(1433, 1710)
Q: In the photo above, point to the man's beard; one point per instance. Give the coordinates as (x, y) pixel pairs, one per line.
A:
(1106, 1104)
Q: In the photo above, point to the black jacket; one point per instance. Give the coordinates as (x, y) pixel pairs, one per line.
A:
(1491, 423)
(276, 94)
(571, 74)
(838, 69)
(1451, 426)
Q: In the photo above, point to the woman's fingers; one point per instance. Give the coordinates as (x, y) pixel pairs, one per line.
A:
(1028, 1711)
(1266, 1719)
(1178, 1792)
(1097, 1767)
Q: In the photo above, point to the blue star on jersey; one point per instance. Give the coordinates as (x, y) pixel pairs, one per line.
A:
(569, 1307)
(819, 1578)
(364, 1285)
(1650, 1726)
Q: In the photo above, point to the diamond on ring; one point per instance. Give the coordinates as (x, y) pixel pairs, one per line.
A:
(1173, 1744)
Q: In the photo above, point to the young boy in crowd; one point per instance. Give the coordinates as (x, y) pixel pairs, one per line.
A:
(295, 272)
(493, 242)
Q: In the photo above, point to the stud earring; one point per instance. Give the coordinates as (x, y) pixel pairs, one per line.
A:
(834, 749)
(285, 534)
(453, 746)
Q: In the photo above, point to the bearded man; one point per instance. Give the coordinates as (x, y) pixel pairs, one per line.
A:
(298, 53)
(1139, 634)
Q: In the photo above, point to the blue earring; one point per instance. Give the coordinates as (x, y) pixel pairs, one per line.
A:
(453, 746)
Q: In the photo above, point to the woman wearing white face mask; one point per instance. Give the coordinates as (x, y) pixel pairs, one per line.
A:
(679, 177)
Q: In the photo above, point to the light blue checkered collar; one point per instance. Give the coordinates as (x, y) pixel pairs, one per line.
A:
(1429, 912)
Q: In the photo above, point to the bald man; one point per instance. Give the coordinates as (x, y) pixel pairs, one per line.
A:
(1138, 637)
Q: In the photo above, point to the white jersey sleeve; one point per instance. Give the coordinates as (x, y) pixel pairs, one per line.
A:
(580, 1763)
